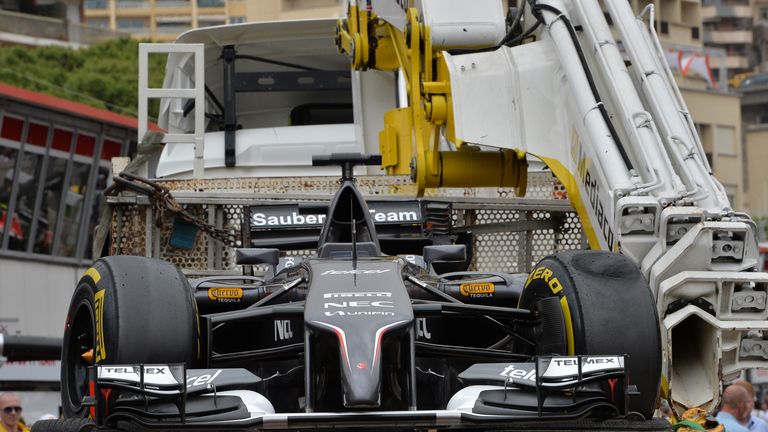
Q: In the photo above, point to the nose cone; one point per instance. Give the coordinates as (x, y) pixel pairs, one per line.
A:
(361, 369)
(359, 303)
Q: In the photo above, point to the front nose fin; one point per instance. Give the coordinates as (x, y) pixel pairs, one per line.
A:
(360, 358)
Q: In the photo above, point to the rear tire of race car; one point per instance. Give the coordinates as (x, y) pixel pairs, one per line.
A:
(611, 311)
(63, 425)
(126, 310)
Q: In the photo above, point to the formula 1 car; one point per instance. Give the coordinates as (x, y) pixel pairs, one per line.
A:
(352, 337)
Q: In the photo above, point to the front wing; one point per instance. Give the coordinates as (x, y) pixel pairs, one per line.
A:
(549, 393)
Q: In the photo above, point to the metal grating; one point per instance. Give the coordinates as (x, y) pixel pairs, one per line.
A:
(499, 244)
(195, 258)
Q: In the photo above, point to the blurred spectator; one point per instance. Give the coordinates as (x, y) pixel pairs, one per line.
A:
(10, 414)
(753, 422)
(736, 405)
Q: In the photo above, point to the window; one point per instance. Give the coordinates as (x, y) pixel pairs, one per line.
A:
(210, 3)
(98, 22)
(664, 27)
(95, 4)
(725, 140)
(695, 33)
(236, 19)
(51, 186)
(130, 23)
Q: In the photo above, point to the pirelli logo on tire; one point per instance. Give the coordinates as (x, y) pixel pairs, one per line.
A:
(545, 274)
(98, 306)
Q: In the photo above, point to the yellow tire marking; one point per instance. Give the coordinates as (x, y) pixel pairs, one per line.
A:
(568, 324)
(98, 300)
(94, 274)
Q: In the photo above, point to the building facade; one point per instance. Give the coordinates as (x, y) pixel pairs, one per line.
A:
(164, 20)
(728, 25)
(55, 163)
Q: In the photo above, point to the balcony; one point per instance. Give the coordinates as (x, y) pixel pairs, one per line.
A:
(211, 3)
(173, 3)
(172, 29)
(714, 13)
(724, 37)
(42, 30)
(132, 4)
(731, 61)
(95, 4)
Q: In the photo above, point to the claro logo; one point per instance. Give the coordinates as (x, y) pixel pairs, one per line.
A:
(225, 294)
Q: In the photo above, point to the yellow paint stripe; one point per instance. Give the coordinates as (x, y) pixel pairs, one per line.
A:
(94, 274)
(664, 387)
(574, 195)
(568, 324)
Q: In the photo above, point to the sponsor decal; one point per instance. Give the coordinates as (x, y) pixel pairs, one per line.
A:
(477, 289)
(596, 201)
(291, 219)
(357, 294)
(362, 365)
(149, 370)
(98, 305)
(283, 330)
(349, 307)
(359, 313)
(288, 216)
(202, 380)
(569, 366)
(512, 372)
(225, 295)
(153, 375)
(361, 303)
(353, 272)
(545, 274)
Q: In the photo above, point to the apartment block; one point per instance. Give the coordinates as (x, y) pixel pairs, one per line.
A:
(728, 25)
(162, 20)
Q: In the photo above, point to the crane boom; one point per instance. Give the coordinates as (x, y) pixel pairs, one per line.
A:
(609, 123)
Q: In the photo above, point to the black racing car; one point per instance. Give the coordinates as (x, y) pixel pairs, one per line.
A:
(352, 337)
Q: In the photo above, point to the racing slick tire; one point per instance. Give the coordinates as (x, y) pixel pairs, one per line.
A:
(63, 425)
(126, 310)
(608, 308)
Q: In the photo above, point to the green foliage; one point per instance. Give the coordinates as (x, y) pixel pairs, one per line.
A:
(104, 75)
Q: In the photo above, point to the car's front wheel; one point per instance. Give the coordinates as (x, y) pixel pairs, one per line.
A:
(125, 310)
(607, 308)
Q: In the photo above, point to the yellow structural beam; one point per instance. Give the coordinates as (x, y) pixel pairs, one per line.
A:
(410, 140)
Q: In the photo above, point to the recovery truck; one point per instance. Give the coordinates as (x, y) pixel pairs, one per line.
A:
(609, 122)
(246, 287)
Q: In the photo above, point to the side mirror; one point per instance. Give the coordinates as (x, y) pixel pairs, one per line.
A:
(253, 256)
(445, 253)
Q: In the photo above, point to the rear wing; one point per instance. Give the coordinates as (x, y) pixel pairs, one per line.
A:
(403, 226)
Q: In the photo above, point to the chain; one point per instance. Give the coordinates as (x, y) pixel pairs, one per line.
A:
(162, 200)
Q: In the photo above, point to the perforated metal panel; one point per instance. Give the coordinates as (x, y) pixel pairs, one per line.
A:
(510, 234)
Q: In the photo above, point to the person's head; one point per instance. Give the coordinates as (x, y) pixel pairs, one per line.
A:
(10, 410)
(737, 402)
(746, 385)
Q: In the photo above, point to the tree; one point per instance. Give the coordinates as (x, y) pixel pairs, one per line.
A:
(104, 75)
